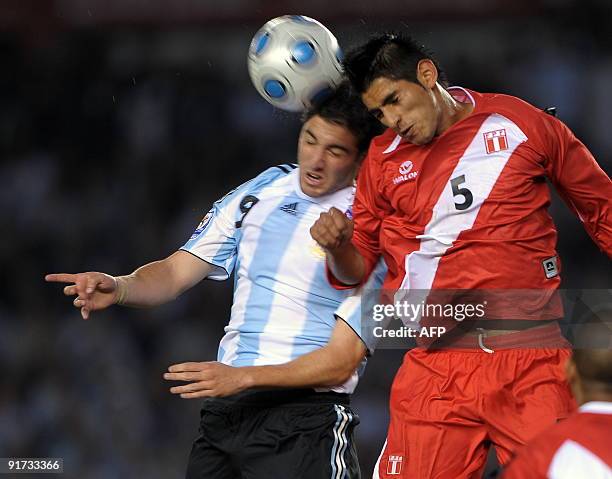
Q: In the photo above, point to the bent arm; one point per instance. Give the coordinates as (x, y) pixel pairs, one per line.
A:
(330, 365)
(162, 281)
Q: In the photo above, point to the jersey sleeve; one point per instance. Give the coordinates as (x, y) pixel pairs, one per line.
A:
(580, 181)
(357, 308)
(217, 237)
(367, 220)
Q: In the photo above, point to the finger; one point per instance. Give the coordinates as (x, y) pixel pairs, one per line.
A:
(81, 285)
(92, 282)
(191, 387)
(199, 394)
(328, 224)
(61, 278)
(339, 219)
(70, 290)
(333, 211)
(85, 313)
(183, 367)
(191, 376)
(328, 240)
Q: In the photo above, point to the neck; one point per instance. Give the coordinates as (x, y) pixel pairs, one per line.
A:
(451, 111)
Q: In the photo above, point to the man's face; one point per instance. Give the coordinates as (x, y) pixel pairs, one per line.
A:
(408, 108)
(328, 156)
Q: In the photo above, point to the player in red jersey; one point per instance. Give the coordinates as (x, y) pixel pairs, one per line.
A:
(578, 447)
(453, 196)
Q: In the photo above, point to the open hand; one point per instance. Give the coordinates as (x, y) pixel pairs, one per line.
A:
(208, 379)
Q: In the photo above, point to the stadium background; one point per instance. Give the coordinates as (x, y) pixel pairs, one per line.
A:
(121, 121)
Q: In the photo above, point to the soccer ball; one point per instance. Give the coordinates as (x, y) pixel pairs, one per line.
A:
(294, 61)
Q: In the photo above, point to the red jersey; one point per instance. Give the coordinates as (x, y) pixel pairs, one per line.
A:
(469, 209)
(578, 447)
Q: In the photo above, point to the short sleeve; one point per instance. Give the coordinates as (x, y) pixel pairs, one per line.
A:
(217, 237)
(215, 242)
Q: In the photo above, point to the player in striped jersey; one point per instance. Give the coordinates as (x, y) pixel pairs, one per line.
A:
(282, 333)
(453, 196)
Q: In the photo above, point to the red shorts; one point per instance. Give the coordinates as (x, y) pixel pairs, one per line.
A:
(448, 406)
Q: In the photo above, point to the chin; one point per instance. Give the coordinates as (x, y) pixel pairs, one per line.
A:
(424, 140)
(313, 192)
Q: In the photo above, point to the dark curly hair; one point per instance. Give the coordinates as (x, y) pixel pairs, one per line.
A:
(390, 55)
(344, 107)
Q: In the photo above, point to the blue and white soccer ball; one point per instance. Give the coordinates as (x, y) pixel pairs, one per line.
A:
(293, 61)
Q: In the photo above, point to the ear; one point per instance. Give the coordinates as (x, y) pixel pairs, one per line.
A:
(427, 73)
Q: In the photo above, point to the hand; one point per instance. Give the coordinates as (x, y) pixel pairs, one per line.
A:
(94, 291)
(332, 230)
(209, 379)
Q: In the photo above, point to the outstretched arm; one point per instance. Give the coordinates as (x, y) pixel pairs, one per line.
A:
(150, 285)
(330, 365)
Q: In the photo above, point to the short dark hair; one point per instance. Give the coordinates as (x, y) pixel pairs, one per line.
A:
(344, 107)
(390, 55)
(592, 350)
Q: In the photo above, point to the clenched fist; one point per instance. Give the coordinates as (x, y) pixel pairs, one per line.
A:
(333, 230)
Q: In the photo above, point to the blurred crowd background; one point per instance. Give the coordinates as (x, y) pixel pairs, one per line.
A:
(121, 121)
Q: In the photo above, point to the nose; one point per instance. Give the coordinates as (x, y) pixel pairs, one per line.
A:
(392, 120)
(317, 159)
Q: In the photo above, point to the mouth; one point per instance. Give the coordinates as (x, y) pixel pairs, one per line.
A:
(406, 133)
(313, 179)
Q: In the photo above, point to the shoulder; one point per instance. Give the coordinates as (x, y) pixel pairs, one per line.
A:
(528, 117)
(498, 102)
(266, 179)
(274, 173)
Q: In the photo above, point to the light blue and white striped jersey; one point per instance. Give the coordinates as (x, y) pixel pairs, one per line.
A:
(283, 305)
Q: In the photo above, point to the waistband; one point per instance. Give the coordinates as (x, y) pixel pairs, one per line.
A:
(281, 397)
(547, 336)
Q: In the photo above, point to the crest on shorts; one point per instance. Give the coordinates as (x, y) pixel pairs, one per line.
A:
(394, 465)
(495, 141)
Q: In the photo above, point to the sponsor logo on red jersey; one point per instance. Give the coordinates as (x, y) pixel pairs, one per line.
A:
(495, 141)
(405, 173)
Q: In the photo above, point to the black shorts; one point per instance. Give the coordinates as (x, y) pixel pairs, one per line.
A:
(276, 434)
